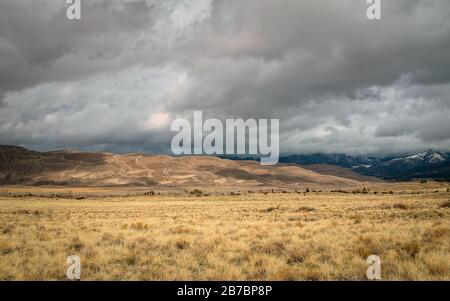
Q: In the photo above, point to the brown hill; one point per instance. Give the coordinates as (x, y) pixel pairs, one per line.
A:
(333, 170)
(71, 168)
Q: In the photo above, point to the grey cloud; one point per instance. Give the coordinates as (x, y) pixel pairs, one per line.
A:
(338, 82)
(38, 43)
(307, 50)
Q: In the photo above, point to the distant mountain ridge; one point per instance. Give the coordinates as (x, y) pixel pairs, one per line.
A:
(22, 166)
(427, 164)
(341, 160)
(19, 166)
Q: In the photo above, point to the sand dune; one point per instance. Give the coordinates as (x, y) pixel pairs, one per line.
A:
(72, 168)
(327, 169)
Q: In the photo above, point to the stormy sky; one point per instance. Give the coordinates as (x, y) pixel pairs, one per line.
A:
(115, 80)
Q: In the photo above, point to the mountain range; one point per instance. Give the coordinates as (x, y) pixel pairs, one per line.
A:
(73, 168)
(428, 164)
(20, 166)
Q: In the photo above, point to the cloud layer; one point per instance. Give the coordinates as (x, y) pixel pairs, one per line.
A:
(337, 81)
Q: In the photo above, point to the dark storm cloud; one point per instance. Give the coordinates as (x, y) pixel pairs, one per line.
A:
(337, 81)
(293, 52)
(39, 44)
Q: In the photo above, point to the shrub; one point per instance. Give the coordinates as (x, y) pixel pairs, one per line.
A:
(400, 206)
(411, 248)
(182, 244)
(446, 204)
(196, 192)
(76, 244)
(131, 259)
(307, 209)
(139, 226)
(297, 256)
(272, 248)
(270, 209)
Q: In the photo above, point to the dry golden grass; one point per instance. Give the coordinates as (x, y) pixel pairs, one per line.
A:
(288, 236)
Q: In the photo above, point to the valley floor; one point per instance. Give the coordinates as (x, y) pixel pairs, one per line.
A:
(279, 236)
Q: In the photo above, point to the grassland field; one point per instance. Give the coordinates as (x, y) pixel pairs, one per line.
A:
(251, 236)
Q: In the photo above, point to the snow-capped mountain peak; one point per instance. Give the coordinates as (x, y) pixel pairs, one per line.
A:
(430, 156)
